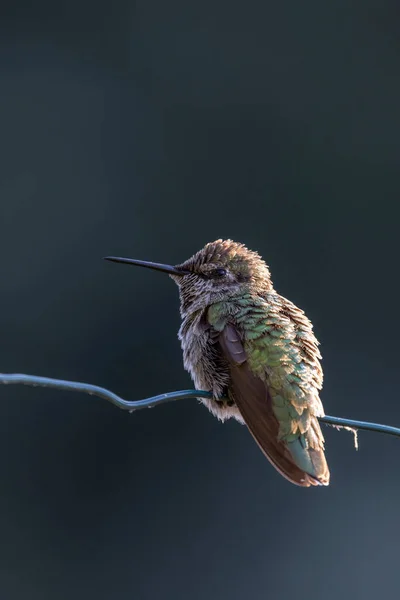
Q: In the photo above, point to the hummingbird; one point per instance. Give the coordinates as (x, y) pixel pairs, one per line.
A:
(255, 351)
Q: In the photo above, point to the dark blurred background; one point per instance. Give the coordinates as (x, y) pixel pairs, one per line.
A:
(147, 129)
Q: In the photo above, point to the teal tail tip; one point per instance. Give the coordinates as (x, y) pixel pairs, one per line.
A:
(311, 461)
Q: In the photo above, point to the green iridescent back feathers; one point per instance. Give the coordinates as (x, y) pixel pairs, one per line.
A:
(283, 352)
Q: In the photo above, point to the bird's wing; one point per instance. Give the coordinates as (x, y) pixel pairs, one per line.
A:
(254, 403)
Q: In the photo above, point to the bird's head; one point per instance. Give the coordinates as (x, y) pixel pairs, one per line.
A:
(222, 269)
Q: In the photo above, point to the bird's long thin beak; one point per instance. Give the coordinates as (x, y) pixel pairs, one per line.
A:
(150, 265)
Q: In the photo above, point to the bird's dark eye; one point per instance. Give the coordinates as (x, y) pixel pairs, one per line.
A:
(216, 273)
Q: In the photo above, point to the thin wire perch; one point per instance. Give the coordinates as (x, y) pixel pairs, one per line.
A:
(132, 405)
